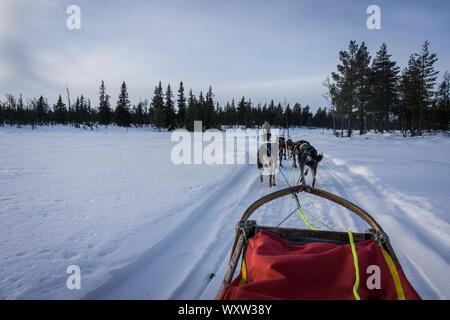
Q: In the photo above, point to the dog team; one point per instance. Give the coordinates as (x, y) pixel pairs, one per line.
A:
(299, 151)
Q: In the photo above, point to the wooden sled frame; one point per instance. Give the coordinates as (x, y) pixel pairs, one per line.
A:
(245, 228)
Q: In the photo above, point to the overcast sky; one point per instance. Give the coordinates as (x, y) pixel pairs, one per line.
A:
(261, 49)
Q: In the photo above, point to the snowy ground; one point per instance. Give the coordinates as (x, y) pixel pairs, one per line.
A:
(112, 202)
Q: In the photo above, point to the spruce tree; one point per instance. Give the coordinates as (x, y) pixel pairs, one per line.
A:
(21, 114)
(241, 111)
(297, 115)
(139, 114)
(346, 82)
(288, 115)
(279, 120)
(234, 114)
(181, 104)
(442, 112)
(417, 84)
(159, 116)
(41, 109)
(385, 86)
(169, 110)
(122, 112)
(60, 111)
(200, 110)
(104, 110)
(77, 114)
(307, 116)
(210, 119)
(428, 77)
(191, 111)
(362, 81)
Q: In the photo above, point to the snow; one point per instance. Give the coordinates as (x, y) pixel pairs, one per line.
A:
(140, 227)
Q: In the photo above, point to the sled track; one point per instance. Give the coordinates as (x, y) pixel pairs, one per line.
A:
(197, 271)
(208, 225)
(391, 211)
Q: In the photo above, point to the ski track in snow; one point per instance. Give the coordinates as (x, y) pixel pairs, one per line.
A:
(144, 279)
(180, 248)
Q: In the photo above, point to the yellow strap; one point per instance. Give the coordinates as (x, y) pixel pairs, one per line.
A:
(243, 272)
(355, 259)
(304, 219)
(300, 209)
(394, 274)
(301, 213)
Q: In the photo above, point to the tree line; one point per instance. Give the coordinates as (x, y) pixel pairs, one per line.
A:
(368, 94)
(363, 93)
(160, 112)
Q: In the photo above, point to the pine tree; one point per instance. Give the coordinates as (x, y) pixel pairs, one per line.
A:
(41, 109)
(83, 110)
(241, 111)
(60, 111)
(307, 116)
(181, 104)
(417, 84)
(271, 112)
(346, 82)
(248, 114)
(385, 86)
(169, 110)
(297, 115)
(159, 116)
(104, 110)
(21, 114)
(234, 113)
(139, 115)
(191, 111)
(122, 112)
(362, 82)
(279, 118)
(409, 88)
(288, 115)
(210, 118)
(428, 77)
(442, 112)
(200, 110)
(77, 113)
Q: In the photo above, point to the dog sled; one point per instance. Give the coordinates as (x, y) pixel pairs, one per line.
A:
(310, 264)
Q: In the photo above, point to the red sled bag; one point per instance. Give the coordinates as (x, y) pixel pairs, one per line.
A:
(311, 264)
(274, 269)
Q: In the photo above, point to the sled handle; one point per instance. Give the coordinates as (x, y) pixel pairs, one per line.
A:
(240, 235)
(317, 192)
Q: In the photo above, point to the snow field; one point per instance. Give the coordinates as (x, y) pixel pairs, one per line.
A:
(140, 227)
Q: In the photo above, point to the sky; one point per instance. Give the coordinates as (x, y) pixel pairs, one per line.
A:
(277, 49)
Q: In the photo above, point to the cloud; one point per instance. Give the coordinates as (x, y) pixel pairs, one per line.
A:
(304, 90)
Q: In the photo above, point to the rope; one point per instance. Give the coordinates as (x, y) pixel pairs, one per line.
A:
(299, 207)
(290, 214)
(301, 213)
(285, 177)
(355, 260)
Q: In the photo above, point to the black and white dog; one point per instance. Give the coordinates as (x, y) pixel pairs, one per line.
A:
(307, 156)
(282, 151)
(267, 159)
